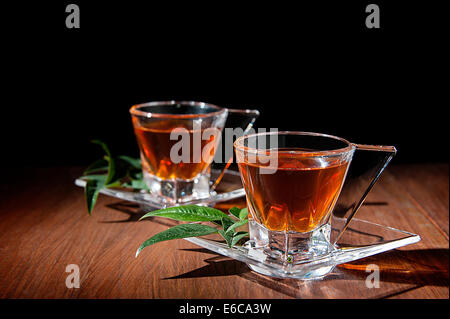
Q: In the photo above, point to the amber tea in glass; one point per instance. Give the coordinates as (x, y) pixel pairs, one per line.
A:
(164, 130)
(178, 141)
(292, 181)
(156, 145)
(298, 196)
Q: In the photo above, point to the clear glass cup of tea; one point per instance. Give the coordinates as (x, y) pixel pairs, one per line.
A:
(293, 181)
(178, 141)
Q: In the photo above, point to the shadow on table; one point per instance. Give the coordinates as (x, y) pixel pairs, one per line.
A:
(216, 266)
(425, 267)
(131, 209)
(417, 268)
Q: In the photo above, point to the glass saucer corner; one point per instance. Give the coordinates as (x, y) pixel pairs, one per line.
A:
(361, 239)
(229, 188)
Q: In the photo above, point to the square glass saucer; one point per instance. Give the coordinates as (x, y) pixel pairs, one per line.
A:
(361, 239)
(229, 188)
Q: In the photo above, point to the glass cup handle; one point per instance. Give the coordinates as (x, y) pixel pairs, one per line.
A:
(368, 162)
(236, 118)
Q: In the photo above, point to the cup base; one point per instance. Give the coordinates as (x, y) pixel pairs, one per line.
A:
(317, 273)
(290, 251)
(176, 191)
(291, 247)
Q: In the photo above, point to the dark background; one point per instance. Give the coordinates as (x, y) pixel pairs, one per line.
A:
(312, 66)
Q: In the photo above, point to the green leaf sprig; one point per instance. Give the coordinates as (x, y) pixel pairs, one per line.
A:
(111, 171)
(226, 225)
(124, 171)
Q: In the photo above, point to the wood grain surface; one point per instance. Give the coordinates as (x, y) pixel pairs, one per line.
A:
(44, 226)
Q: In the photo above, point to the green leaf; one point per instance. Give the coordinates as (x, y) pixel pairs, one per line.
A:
(111, 162)
(238, 236)
(133, 162)
(95, 177)
(114, 184)
(243, 214)
(137, 175)
(228, 237)
(177, 232)
(236, 225)
(91, 192)
(103, 145)
(234, 211)
(227, 223)
(190, 213)
(136, 184)
(111, 171)
(97, 166)
(120, 172)
(197, 213)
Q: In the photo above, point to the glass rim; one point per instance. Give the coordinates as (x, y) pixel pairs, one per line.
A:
(239, 145)
(135, 110)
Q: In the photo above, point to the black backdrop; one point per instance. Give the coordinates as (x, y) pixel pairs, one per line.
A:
(313, 66)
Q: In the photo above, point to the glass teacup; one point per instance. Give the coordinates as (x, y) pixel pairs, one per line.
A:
(178, 141)
(293, 181)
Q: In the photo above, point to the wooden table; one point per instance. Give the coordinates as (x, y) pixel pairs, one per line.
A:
(44, 226)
